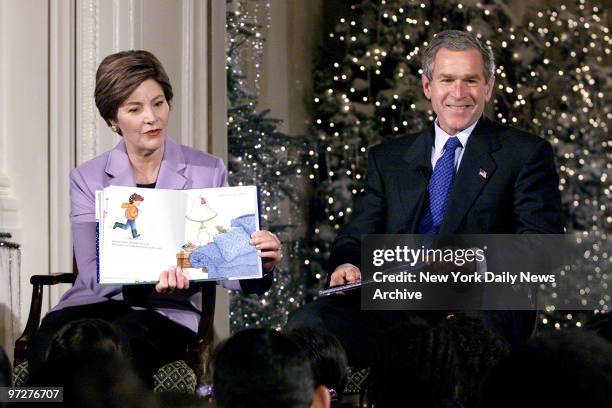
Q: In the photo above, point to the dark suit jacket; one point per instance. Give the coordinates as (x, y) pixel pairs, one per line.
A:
(520, 193)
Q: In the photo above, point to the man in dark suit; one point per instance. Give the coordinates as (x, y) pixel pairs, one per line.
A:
(465, 174)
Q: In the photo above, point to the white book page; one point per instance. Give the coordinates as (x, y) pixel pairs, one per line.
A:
(139, 240)
(218, 225)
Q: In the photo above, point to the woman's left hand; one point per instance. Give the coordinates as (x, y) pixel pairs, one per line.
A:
(269, 247)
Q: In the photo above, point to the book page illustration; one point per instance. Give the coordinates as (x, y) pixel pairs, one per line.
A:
(141, 229)
(219, 224)
(207, 232)
(131, 213)
(202, 223)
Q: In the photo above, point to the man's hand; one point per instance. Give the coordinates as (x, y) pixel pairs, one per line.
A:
(345, 273)
(171, 279)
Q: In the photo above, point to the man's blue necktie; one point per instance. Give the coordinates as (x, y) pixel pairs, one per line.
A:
(440, 186)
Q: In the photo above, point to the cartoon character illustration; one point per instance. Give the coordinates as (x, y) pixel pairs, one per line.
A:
(131, 213)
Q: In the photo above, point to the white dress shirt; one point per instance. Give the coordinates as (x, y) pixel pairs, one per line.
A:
(440, 141)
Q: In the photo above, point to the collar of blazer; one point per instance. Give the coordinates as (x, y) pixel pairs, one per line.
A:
(469, 183)
(414, 178)
(170, 172)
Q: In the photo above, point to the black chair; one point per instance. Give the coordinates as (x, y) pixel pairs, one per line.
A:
(196, 354)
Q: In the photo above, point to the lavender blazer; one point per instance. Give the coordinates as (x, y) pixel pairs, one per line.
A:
(181, 168)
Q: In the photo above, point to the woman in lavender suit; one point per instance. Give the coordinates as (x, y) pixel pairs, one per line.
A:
(133, 95)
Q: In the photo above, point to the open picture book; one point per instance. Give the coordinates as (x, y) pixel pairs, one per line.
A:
(143, 231)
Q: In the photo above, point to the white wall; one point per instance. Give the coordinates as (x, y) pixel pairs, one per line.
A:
(24, 127)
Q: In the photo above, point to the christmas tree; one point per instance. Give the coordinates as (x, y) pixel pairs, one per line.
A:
(260, 154)
(551, 79)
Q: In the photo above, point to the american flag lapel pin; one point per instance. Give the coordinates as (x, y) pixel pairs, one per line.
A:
(482, 173)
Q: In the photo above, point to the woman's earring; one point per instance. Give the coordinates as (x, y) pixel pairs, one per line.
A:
(114, 128)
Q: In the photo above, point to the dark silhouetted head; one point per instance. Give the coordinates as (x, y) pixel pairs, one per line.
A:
(478, 349)
(6, 373)
(326, 354)
(261, 368)
(84, 335)
(416, 365)
(570, 369)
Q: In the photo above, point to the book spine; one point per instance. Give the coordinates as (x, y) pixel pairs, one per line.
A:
(98, 252)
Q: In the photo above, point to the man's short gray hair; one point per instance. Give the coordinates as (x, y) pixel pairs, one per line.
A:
(457, 41)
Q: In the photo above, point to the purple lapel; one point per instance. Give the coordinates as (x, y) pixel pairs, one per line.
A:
(118, 167)
(172, 167)
(170, 173)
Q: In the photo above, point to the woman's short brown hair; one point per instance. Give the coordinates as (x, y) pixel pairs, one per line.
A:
(120, 74)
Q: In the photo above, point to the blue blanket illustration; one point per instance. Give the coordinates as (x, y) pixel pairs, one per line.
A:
(230, 253)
